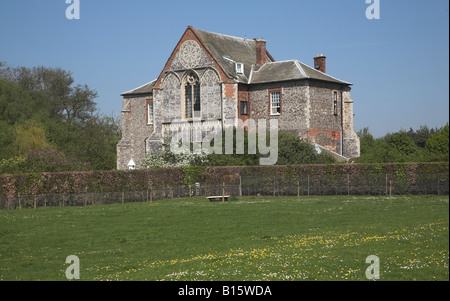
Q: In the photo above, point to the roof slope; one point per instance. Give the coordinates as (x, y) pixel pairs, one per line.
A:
(228, 50)
(144, 89)
(289, 70)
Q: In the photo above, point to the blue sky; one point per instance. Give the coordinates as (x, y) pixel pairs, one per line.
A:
(399, 64)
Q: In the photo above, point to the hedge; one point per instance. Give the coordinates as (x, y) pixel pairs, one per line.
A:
(405, 175)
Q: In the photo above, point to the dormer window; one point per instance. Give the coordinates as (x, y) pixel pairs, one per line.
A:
(239, 68)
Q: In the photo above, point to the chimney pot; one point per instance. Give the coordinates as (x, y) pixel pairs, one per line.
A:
(320, 63)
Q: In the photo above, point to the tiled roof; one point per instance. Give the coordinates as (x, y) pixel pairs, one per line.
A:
(228, 50)
(289, 70)
(144, 89)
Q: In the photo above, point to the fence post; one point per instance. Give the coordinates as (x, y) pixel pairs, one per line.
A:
(438, 184)
(386, 186)
(390, 190)
(273, 186)
(308, 185)
(34, 202)
(223, 192)
(240, 185)
(348, 184)
(298, 190)
(123, 196)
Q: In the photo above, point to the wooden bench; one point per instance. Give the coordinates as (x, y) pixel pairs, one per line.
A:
(218, 198)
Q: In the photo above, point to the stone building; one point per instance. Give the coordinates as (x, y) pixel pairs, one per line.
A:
(216, 78)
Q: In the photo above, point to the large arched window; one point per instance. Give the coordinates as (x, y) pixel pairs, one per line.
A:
(192, 96)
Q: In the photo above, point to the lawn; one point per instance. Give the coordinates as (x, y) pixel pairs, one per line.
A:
(251, 238)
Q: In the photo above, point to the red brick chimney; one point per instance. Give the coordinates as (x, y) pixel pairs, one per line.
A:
(320, 63)
(260, 52)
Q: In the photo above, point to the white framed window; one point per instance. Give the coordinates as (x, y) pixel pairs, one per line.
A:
(150, 116)
(275, 102)
(335, 103)
(239, 68)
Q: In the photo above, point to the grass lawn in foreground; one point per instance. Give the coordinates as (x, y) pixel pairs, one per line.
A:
(251, 238)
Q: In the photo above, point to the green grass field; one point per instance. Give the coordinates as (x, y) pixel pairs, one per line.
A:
(252, 238)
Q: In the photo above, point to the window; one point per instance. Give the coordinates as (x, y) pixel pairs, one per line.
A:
(239, 68)
(150, 118)
(192, 96)
(335, 103)
(244, 108)
(275, 102)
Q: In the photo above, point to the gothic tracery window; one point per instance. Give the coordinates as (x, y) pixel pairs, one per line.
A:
(192, 96)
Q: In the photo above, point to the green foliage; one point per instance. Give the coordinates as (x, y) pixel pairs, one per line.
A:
(438, 143)
(12, 165)
(42, 107)
(192, 174)
(28, 136)
(234, 159)
(422, 146)
(292, 150)
(401, 143)
(421, 136)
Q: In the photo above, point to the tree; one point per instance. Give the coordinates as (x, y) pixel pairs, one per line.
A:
(420, 136)
(5, 138)
(64, 114)
(438, 143)
(402, 143)
(293, 150)
(390, 148)
(28, 136)
(95, 141)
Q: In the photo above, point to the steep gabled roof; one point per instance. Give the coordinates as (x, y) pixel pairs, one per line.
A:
(289, 70)
(228, 50)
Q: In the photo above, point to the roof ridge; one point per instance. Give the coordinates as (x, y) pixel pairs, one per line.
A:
(300, 68)
(224, 35)
(285, 61)
(326, 74)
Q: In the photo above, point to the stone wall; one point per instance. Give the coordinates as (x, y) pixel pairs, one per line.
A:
(307, 107)
(135, 130)
(294, 104)
(350, 138)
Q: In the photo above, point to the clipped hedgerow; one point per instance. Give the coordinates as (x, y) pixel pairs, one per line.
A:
(406, 176)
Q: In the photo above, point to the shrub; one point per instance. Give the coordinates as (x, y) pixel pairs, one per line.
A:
(11, 166)
(50, 160)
